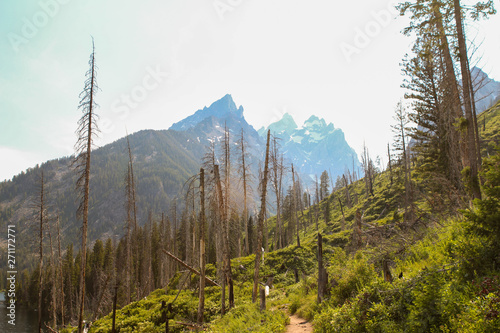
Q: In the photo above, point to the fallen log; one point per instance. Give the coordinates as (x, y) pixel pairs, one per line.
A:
(182, 263)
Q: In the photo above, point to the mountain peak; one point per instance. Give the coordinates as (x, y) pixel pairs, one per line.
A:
(218, 109)
(285, 125)
(315, 122)
(225, 105)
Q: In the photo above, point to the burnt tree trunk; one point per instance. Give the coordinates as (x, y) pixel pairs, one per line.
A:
(260, 222)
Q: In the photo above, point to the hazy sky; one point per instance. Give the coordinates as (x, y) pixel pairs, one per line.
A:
(161, 60)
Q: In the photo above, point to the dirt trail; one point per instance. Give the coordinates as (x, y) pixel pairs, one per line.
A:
(298, 325)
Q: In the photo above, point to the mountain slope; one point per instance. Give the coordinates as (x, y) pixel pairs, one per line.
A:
(487, 91)
(218, 109)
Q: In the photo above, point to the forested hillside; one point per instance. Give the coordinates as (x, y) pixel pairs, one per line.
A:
(209, 226)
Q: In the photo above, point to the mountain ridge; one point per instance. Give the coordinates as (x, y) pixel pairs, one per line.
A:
(315, 146)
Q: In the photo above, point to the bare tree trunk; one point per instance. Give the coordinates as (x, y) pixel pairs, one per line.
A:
(390, 162)
(201, 304)
(128, 243)
(260, 222)
(245, 201)
(468, 95)
(348, 197)
(342, 225)
(277, 177)
(225, 244)
(87, 128)
(60, 271)
(54, 280)
(294, 202)
(113, 329)
(322, 274)
(317, 205)
(450, 78)
(41, 218)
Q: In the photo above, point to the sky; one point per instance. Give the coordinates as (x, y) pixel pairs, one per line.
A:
(161, 60)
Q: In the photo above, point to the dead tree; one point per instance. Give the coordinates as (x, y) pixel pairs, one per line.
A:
(348, 197)
(277, 168)
(294, 204)
(400, 144)
(87, 129)
(245, 177)
(60, 271)
(53, 275)
(191, 269)
(342, 225)
(260, 222)
(128, 236)
(41, 217)
(390, 163)
(201, 304)
(322, 274)
(225, 246)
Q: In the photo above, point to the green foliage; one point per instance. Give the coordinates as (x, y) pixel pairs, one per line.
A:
(489, 128)
(146, 316)
(486, 213)
(248, 318)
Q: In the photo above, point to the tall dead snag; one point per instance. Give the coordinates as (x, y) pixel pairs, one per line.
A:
(260, 222)
(277, 168)
(60, 271)
(322, 274)
(342, 225)
(368, 168)
(400, 144)
(227, 276)
(245, 177)
(53, 274)
(317, 200)
(128, 236)
(41, 217)
(294, 203)
(87, 129)
(390, 163)
(226, 201)
(201, 304)
(347, 195)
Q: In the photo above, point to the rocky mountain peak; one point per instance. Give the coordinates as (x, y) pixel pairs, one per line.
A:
(219, 109)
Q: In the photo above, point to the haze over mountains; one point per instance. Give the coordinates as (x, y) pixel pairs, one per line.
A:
(163, 161)
(314, 147)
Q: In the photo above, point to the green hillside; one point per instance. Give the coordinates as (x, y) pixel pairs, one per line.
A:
(489, 128)
(436, 272)
(163, 161)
